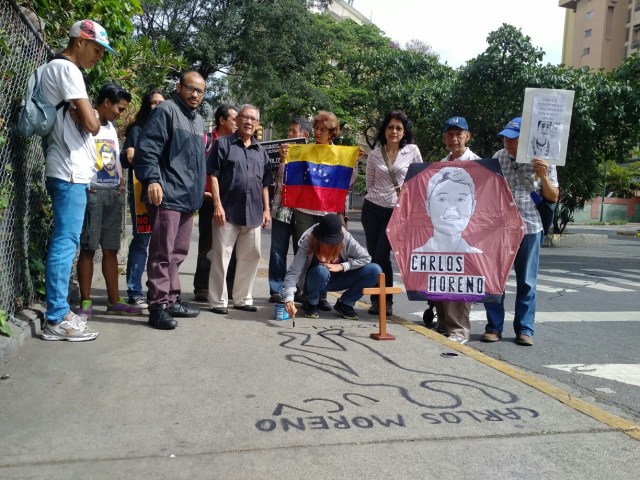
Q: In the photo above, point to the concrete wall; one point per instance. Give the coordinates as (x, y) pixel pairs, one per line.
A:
(615, 209)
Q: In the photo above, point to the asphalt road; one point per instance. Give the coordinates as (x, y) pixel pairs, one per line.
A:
(587, 322)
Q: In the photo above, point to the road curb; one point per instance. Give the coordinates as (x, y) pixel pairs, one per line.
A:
(615, 422)
(24, 324)
(628, 233)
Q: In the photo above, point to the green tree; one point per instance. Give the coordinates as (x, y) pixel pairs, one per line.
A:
(615, 179)
(489, 89)
(140, 63)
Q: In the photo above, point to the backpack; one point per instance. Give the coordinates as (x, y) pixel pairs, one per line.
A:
(37, 116)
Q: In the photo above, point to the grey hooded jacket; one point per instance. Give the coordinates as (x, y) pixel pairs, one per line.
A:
(354, 254)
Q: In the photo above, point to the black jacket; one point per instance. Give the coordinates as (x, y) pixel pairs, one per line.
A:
(170, 152)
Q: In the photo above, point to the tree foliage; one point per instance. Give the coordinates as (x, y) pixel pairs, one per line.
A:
(140, 63)
(288, 61)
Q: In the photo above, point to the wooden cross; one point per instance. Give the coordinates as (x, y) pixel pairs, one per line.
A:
(381, 290)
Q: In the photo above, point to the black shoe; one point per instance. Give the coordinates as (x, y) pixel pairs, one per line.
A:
(275, 298)
(324, 305)
(441, 330)
(345, 311)
(201, 295)
(182, 310)
(375, 307)
(311, 311)
(220, 310)
(161, 319)
(246, 308)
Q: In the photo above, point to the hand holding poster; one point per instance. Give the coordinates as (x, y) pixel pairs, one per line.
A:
(455, 231)
(143, 224)
(272, 147)
(318, 177)
(546, 118)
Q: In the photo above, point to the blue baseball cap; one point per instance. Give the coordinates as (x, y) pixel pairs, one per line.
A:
(458, 122)
(512, 129)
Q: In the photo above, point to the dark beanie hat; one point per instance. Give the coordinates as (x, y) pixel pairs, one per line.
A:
(329, 230)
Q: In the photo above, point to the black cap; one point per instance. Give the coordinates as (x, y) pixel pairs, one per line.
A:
(329, 229)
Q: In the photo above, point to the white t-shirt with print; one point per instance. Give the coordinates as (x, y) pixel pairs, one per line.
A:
(108, 169)
(71, 152)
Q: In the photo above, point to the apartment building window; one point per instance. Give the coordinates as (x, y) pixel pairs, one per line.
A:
(586, 51)
(587, 33)
(626, 34)
(589, 15)
(637, 5)
(635, 40)
(609, 25)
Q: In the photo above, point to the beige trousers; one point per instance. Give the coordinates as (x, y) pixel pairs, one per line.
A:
(247, 242)
(454, 318)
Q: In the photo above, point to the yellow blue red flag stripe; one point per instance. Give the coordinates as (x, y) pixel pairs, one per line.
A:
(317, 177)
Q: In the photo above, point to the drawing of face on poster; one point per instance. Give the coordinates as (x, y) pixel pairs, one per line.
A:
(107, 157)
(451, 201)
(546, 120)
(544, 140)
(455, 231)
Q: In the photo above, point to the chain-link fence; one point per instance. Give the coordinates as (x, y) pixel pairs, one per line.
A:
(25, 219)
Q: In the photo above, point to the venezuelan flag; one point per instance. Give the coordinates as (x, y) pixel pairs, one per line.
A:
(317, 177)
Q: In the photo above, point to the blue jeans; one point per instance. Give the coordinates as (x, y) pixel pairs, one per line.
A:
(321, 281)
(136, 262)
(69, 201)
(526, 267)
(281, 233)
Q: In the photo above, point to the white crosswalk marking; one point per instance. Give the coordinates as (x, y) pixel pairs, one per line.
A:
(544, 288)
(613, 272)
(583, 283)
(608, 279)
(584, 280)
(620, 372)
(478, 315)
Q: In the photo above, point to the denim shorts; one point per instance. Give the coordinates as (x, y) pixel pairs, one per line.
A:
(102, 220)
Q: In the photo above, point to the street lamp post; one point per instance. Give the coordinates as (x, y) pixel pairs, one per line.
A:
(604, 191)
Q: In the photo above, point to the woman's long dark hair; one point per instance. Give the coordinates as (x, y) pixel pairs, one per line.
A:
(145, 109)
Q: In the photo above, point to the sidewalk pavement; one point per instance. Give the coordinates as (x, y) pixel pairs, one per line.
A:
(244, 396)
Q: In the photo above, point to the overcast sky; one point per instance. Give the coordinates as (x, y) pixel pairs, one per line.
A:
(457, 29)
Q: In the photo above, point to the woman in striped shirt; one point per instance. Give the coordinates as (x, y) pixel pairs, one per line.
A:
(395, 139)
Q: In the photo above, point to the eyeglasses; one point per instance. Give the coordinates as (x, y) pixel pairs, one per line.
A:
(191, 89)
(248, 117)
(396, 128)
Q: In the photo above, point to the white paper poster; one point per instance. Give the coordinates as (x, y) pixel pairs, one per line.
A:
(546, 118)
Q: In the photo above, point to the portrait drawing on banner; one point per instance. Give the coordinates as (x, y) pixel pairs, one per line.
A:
(451, 201)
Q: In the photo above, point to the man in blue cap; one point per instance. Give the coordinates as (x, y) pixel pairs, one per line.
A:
(528, 184)
(453, 317)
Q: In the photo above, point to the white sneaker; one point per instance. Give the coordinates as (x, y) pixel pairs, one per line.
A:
(72, 328)
(457, 339)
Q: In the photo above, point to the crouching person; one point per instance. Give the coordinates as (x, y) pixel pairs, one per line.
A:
(329, 259)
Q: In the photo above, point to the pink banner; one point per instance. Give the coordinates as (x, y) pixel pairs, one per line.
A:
(455, 231)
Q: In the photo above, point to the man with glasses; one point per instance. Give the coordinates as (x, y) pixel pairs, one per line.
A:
(240, 178)
(168, 163)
